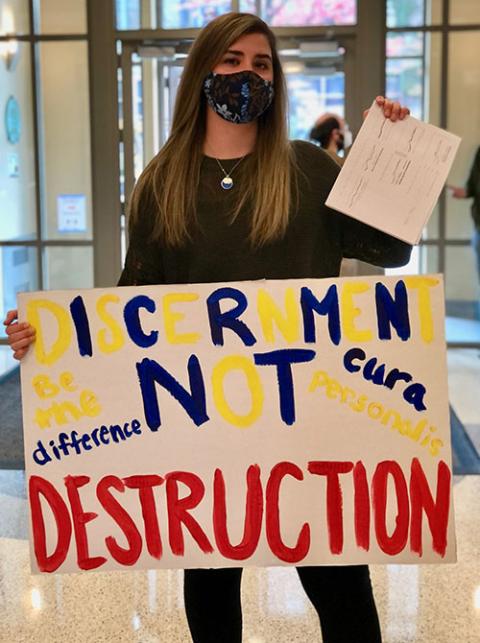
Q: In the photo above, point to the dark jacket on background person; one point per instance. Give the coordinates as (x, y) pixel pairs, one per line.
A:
(473, 189)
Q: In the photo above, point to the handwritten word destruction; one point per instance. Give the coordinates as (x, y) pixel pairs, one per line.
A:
(272, 422)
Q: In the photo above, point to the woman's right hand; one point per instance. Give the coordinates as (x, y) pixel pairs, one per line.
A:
(20, 334)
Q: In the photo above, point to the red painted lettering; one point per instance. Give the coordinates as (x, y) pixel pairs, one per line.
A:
(80, 519)
(362, 506)
(46, 563)
(178, 509)
(395, 543)
(253, 516)
(334, 499)
(145, 485)
(437, 511)
(274, 538)
(124, 556)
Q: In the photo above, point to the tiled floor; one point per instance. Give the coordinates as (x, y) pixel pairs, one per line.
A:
(417, 604)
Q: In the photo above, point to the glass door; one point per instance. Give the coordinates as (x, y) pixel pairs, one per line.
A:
(150, 73)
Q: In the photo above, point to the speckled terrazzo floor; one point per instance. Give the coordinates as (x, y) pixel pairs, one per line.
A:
(417, 604)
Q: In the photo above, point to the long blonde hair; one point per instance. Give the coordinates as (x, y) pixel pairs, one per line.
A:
(173, 174)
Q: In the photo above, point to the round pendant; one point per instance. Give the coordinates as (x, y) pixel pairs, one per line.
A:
(226, 183)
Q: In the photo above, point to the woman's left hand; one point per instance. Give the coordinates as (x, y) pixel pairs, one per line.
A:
(391, 109)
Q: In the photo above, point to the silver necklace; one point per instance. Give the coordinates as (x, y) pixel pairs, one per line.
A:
(227, 181)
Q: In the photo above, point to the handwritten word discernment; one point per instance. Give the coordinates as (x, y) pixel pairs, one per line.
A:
(147, 322)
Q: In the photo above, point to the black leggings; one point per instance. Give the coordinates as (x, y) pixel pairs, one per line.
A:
(342, 597)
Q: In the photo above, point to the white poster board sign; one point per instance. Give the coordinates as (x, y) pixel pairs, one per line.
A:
(257, 423)
(394, 173)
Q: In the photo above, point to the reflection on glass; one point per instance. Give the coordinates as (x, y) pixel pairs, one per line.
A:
(402, 608)
(14, 17)
(414, 13)
(433, 78)
(405, 13)
(138, 112)
(311, 95)
(36, 599)
(409, 43)
(285, 13)
(281, 600)
(17, 162)
(152, 590)
(248, 6)
(127, 14)
(136, 622)
(413, 72)
(459, 221)
(63, 16)
(184, 14)
(463, 94)
(431, 229)
(476, 598)
(405, 83)
(66, 149)
(154, 89)
(462, 285)
(465, 12)
(68, 267)
(18, 273)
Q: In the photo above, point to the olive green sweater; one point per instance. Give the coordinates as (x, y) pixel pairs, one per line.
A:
(313, 246)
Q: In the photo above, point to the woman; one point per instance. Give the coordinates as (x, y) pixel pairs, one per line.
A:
(230, 198)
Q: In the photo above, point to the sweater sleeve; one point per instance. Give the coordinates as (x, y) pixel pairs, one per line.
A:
(143, 263)
(361, 241)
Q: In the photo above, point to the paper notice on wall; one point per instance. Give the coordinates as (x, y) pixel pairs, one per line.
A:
(394, 174)
(72, 213)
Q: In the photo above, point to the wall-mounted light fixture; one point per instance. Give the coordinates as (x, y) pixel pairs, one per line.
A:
(9, 49)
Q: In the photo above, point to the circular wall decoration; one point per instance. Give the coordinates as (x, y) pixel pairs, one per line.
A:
(12, 120)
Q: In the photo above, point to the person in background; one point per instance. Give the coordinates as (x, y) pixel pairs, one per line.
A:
(333, 135)
(472, 191)
(230, 198)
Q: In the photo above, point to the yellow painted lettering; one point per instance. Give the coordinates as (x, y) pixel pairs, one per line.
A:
(43, 417)
(375, 410)
(333, 389)
(44, 387)
(346, 394)
(435, 445)
(423, 284)
(117, 339)
(66, 382)
(349, 311)
(320, 378)
(89, 403)
(359, 405)
(254, 383)
(415, 433)
(171, 318)
(288, 322)
(64, 334)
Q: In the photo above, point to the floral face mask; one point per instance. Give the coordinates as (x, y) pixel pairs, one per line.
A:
(240, 97)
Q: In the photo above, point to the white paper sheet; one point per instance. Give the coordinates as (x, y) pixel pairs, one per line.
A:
(394, 174)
